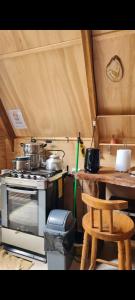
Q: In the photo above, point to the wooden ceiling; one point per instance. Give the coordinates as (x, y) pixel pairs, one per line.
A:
(42, 73)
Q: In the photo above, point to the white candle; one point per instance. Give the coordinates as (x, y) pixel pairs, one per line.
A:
(123, 160)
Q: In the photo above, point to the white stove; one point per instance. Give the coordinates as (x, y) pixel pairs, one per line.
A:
(38, 179)
(27, 198)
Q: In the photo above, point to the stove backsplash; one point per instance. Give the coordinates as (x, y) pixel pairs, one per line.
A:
(68, 146)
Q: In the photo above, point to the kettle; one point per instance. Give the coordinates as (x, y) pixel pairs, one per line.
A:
(54, 162)
(92, 160)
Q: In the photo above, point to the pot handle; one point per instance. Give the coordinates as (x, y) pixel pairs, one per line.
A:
(43, 145)
(33, 140)
(60, 151)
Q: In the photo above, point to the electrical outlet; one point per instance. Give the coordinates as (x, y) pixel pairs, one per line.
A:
(94, 123)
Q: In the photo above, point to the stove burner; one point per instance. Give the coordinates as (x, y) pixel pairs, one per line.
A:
(39, 174)
(45, 173)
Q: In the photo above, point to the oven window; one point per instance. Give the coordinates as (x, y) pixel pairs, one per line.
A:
(23, 211)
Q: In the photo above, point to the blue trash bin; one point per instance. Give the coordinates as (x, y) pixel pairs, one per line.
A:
(59, 239)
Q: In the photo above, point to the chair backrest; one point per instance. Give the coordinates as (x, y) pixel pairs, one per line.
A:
(99, 204)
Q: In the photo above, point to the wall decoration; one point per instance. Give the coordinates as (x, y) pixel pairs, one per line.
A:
(114, 69)
(16, 118)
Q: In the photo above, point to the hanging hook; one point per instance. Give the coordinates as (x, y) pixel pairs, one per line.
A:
(67, 139)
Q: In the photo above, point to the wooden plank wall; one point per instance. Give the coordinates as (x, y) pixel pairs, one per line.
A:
(115, 97)
(3, 157)
(115, 100)
(43, 74)
(68, 147)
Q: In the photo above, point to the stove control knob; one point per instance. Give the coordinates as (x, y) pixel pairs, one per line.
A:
(22, 176)
(34, 177)
(16, 175)
(28, 176)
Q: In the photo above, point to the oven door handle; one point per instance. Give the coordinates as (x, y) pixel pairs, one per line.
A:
(21, 191)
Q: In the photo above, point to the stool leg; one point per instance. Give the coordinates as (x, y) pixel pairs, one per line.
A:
(93, 253)
(128, 263)
(121, 265)
(84, 250)
(89, 247)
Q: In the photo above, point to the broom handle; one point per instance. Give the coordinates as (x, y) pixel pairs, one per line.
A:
(75, 180)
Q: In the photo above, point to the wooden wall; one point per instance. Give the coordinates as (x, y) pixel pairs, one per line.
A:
(68, 147)
(43, 74)
(115, 100)
(3, 155)
(18, 40)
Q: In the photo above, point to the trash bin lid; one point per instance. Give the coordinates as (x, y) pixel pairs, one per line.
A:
(60, 219)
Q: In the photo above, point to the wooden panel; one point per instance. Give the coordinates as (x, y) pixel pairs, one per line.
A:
(88, 56)
(3, 161)
(100, 35)
(50, 89)
(10, 155)
(41, 49)
(115, 97)
(3, 132)
(68, 147)
(101, 32)
(69, 200)
(120, 126)
(7, 125)
(17, 40)
(108, 156)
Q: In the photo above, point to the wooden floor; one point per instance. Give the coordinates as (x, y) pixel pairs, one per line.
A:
(109, 251)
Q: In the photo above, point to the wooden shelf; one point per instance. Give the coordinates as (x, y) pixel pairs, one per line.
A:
(114, 115)
(117, 145)
(36, 50)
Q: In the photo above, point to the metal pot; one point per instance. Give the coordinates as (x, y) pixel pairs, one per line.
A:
(22, 163)
(54, 162)
(33, 148)
(42, 160)
(34, 161)
(14, 164)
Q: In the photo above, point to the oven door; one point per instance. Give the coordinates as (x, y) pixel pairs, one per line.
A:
(24, 210)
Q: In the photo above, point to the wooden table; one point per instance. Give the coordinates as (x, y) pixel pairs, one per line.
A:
(115, 183)
(109, 175)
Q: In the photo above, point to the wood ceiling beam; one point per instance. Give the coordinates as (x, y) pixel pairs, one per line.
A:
(7, 125)
(88, 57)
(111, 34)
(36, 50)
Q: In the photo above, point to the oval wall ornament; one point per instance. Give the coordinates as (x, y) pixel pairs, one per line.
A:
(114, 69)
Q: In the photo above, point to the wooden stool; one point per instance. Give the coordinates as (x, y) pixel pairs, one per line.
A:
(103, 223)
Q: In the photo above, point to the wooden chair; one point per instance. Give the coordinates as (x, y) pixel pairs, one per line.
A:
(102, 222)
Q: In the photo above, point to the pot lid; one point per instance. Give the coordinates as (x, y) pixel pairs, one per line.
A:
(24, 158)
(54, 156)
(35, 144)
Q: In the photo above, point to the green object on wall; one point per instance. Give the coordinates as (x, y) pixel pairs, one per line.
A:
(75, 180)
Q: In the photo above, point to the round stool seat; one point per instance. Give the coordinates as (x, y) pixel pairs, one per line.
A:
(123, 226)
